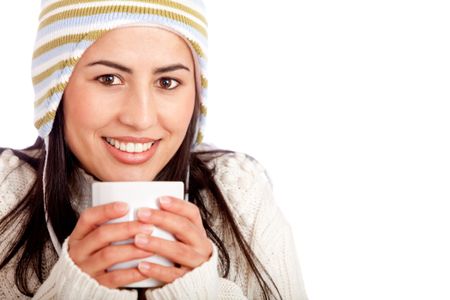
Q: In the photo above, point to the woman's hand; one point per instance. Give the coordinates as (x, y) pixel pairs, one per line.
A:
(192, 247)
(91, 250)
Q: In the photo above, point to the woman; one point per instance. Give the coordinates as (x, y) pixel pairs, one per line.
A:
(120, 96)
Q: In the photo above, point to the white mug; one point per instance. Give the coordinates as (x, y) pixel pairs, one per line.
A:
(138, 194)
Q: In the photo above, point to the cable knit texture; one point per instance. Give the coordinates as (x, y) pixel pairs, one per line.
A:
(248, 192)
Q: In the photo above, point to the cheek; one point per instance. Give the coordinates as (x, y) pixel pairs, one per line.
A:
(177, 117)
(83, 115)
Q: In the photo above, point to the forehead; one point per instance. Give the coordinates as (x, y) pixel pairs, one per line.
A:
(141, 44)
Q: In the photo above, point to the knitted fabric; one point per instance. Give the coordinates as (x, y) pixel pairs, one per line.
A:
(249, 195)
(68, 27)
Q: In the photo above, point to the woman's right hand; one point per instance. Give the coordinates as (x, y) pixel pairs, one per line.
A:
(91, 250)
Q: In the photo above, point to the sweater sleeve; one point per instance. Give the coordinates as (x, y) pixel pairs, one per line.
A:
(248, 191)
(201, 283)
(67, 281)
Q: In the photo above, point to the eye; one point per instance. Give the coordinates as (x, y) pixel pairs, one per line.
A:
(168, 83)
(109, 79)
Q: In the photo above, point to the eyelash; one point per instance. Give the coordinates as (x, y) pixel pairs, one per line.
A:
(117, 76)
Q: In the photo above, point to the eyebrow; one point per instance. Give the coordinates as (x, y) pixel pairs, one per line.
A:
(125, 69)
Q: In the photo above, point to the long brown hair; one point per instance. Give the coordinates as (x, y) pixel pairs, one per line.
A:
(63, 178)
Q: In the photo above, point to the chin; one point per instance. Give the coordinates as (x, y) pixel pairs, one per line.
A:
(131, 177)
(114, 175)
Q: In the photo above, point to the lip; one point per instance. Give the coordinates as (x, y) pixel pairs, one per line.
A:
(131, 158)
(131, 139)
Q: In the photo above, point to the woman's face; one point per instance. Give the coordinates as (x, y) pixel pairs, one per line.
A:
(132, 89)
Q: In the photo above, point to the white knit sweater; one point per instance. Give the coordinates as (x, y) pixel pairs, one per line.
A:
(248, 192)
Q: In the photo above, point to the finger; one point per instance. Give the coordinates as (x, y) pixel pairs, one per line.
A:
(182, 228)
(161, 273)
(111, 255)
(174, 251)
(106, 234)
(95, 216)
(183, 208)
(119, 278)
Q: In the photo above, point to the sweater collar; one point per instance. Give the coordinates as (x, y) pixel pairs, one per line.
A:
(83, 198)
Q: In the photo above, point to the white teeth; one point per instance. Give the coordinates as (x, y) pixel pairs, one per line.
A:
(129, 147)
(138, 148)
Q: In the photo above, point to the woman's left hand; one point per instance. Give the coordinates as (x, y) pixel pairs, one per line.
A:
(191, 247)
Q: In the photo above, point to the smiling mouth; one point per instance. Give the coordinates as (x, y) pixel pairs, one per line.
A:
(129, 147)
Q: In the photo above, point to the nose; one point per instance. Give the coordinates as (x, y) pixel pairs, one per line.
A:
(139, 109)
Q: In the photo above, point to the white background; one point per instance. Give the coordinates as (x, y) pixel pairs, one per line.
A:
(346, 104)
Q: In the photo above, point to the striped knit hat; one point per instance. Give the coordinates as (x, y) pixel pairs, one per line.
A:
(68, 27)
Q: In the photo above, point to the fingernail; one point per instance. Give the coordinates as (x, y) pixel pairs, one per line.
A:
(165, 200)
(147, 228)
(144, 266)
(141, 239)
(144, 213)
(121, 207)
